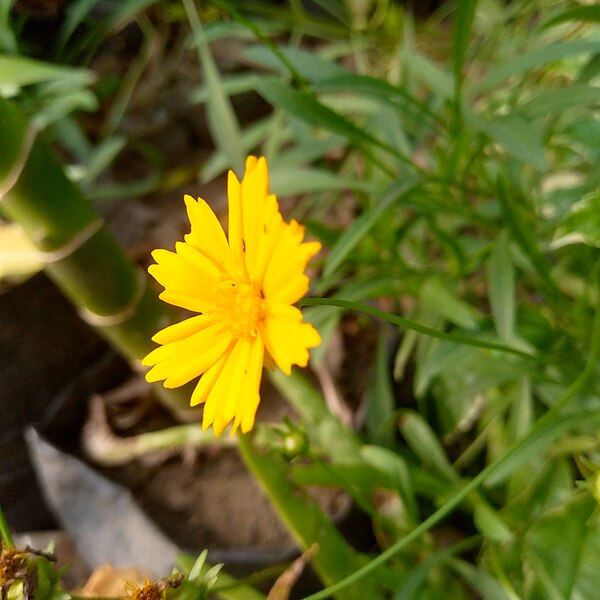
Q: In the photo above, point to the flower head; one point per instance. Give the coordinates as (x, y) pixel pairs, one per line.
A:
(243, 288)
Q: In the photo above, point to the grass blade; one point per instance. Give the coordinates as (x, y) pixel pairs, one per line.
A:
(501, 284)
(464, 14)
(352, 236)
(222, 121)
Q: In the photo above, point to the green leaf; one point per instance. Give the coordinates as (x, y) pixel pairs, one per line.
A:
(535, 444)
(513, 206)
(457, 338)
(560, 99)
(412, 587)
(222, 121)
(21, 71)
(519, 137)
(490, 524)
(424, 443)
(289, 181)
(464, 13)
(307, 63)
(394, 467)
(581, 225)
(232, 85)
(372, 87)
(75, 14)
(437, 298)
(516, 65)
(307, 107)
(362, 225)
(485, 585)
(581, 13)
(501, 285)
(425, 70)
(380, 397)
(562, 550)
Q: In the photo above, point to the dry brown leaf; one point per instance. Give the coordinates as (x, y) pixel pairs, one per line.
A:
(283, 586)
(108, 581)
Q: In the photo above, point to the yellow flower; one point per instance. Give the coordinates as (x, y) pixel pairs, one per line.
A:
(243, 288)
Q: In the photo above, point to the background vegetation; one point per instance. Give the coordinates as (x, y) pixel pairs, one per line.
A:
(449, 166)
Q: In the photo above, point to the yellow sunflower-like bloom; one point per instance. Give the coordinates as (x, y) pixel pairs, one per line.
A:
(243, 288)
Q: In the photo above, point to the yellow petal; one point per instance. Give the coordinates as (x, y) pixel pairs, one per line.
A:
(287, 339)
(197, 262)
(207, 235)
(239, 377)
(246, 409)
(182, 329)
(207, 381)
(182, 360)
(186, 283)
(235, 230)
(269, 227)
(288, 261)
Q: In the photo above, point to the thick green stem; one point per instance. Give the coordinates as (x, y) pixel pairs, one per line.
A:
(80, 255)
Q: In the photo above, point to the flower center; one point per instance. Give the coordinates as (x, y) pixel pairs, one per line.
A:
(240, 306)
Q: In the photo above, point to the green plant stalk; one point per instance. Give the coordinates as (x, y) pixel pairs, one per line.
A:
(79, 253)
(335, 558)
(115, 450)
(414, 326)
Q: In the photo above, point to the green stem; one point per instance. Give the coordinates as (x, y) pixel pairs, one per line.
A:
(414, 326)
(80, 255)
(534, 434)
(5, 531)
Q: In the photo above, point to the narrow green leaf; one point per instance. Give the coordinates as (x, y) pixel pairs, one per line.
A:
(581, 13)
(361, 226)
(222, 121)
(394, 466)
(20, 71)
(307, 63)
(560, 99)
(436, 297)
(517, 65)
(501, 285)
(510, 201)
(437, 79)
(380, 397)
(412, 587)
(490, 524)
(295, 180)
(307, 107)
(102, 157)
(562, 549)
(536, 442)
(581, 225)
(464, 14)
(372, 87)
(425, 444)
(412, 325)
(75, 14)
(519, 137)
(483, 583)
(232, 85)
